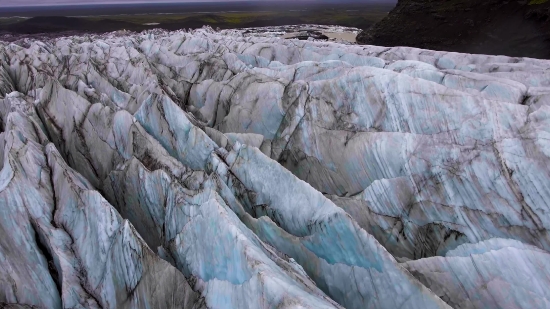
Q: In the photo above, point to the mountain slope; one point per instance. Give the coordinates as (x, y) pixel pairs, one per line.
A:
(513, 27)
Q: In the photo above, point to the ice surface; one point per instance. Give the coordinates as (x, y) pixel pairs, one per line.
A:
(498, 273)
(222, 170)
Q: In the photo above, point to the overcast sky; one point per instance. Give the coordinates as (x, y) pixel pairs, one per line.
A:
(10, 3)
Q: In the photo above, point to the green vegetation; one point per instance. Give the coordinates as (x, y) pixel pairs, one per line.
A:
(10, 20)
(357, 17)
(537, 2)
(244, 19)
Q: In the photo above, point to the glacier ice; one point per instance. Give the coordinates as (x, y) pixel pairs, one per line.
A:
(496, 273)
(209, 169)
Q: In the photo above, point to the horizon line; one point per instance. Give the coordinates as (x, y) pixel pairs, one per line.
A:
(104, 3)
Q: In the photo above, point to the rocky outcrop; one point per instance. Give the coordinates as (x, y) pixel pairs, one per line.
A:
(513, 28)
(210, 169)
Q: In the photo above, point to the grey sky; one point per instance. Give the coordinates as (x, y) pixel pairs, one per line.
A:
(11, 3)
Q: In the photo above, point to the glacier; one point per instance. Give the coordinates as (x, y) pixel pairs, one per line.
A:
(213, 169)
